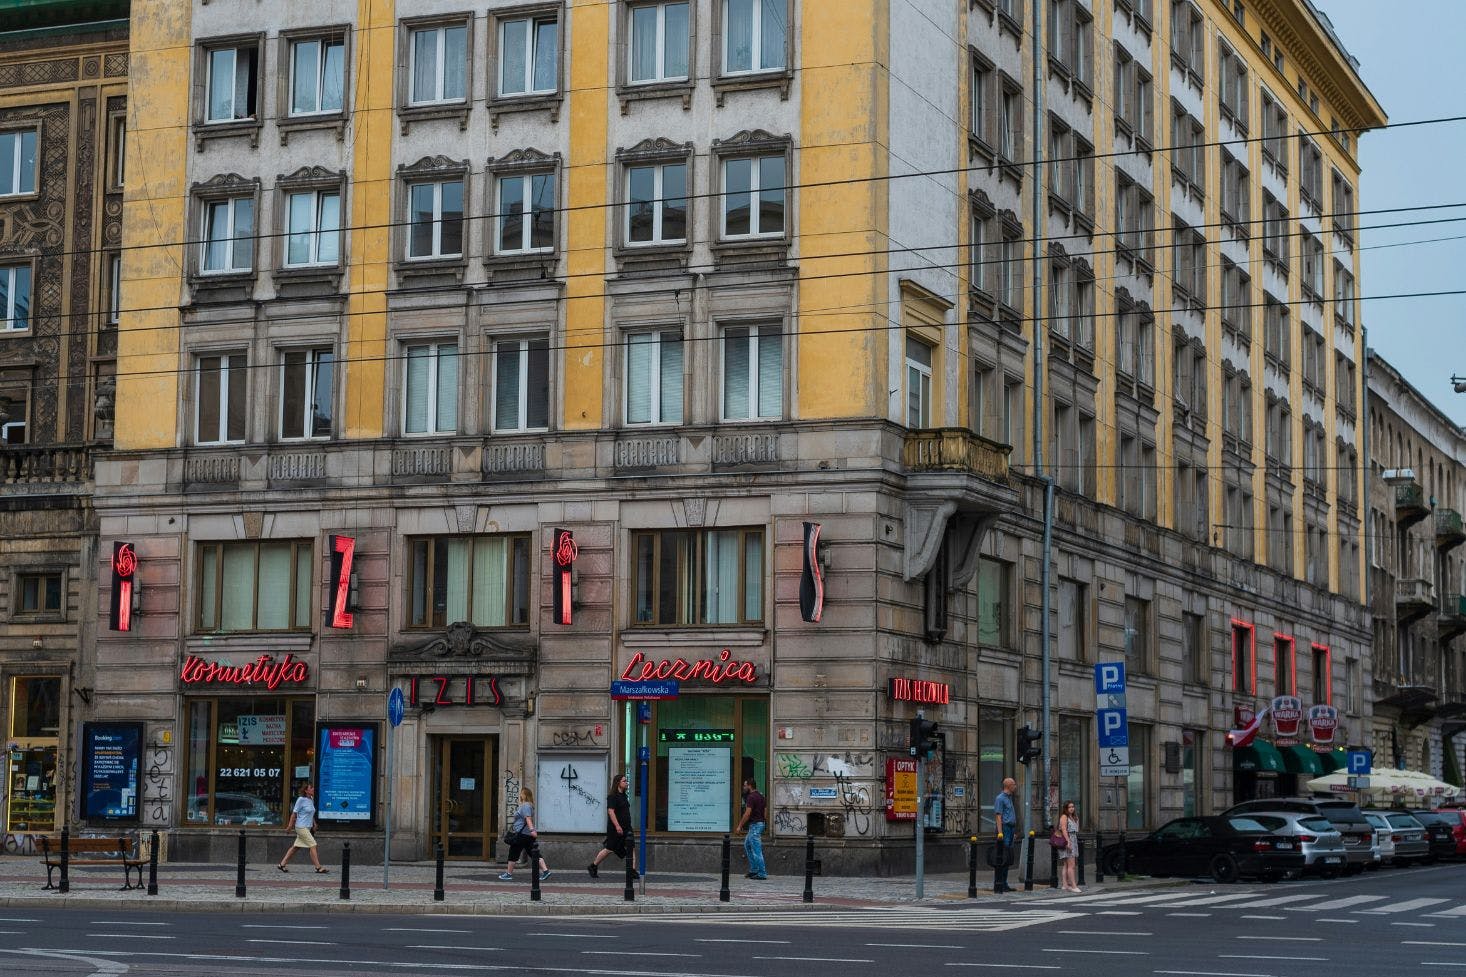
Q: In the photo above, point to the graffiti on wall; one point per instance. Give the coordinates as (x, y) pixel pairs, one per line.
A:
(158, 787)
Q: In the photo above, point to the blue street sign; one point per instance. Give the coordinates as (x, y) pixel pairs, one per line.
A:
(394, 707)
(624, 689)
(1113, 728)
(1358, 761)
(643, 753)
(1109, 677)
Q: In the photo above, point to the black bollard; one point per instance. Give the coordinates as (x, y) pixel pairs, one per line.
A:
(1053, 864)
(346, 870)
(809, 868)
(534, 872)
(65, 858)
(1028, 866)
(153, 866)
(1124, 867)
(972, 867)
(628, 894)
(723, 893)
(1079, 858)
(1099, 857)
(239, 870)
(438, 884)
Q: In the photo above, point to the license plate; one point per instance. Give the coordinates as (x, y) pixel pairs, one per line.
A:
(1332, 860)
(1285, 846)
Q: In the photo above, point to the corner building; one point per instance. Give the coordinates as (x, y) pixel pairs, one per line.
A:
(679, 278)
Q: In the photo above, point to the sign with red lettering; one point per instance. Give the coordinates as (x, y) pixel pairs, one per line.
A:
(919, 690)
(338, 607)
(124, 568)
(723, 670)
(1287, 712)
(563, 562)
(454, 690)
(1323, 722)
(264, 671)
(900, 789)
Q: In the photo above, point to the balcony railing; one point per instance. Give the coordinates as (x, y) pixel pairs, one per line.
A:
(1410, 505)
(41, 465)
(951, 449)
(1452, 620)
(1412, 599)
(1449, 531)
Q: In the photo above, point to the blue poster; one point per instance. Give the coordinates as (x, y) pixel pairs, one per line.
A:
(112, 755)
(348, 773)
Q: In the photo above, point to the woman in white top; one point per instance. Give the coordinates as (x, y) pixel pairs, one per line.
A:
(1068, 855)
(302, 819)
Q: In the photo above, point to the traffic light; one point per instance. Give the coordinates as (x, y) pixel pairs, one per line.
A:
(924, 740)
(1030, 744)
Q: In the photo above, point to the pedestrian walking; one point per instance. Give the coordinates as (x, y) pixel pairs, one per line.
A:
(1069, 854)
(302, 820)
(618, 829)
(523, 836)
(754, 818)
(1006, 819)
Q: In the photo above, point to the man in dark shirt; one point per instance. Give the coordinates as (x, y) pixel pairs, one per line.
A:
(618, 829)
(754, 818)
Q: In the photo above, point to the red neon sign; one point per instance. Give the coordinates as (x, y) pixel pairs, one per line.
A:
(721, 670)
(920, 690)
(343, 552)
(437, 690)
(124, 567)
(563, 594)
(264, 670)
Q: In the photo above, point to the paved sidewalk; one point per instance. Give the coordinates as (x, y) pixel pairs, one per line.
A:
(476, 889)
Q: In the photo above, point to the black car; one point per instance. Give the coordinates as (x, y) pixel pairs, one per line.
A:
(1439, 831)
(1225, 847)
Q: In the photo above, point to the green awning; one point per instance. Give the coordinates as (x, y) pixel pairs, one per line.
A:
(1333, 760)
(1260, 757)
(1301, 759)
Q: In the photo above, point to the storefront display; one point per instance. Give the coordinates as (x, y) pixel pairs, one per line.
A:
(348, 773)
(711, 743)
(246, 756)
(111, 762)
(35, 725)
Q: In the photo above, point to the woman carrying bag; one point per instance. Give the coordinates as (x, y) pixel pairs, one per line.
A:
(1068, 830)
(522, 835)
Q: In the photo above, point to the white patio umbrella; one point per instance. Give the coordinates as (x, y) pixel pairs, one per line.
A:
(1385, 784)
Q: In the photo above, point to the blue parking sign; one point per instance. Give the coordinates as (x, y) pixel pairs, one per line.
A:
(1359, 761)
(1114, 729)
(1109, 677)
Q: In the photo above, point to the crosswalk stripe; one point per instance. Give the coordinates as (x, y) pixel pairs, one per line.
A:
(1210, 900)
(1114, 899)
(1338, 903)
(1458, 911)
(976, 919)
(1403, 907)
(1278, 900)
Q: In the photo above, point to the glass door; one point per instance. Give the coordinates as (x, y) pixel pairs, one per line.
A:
(464, 808)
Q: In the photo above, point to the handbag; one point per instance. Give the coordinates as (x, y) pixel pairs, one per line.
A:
(510, 836)
(1057, 840)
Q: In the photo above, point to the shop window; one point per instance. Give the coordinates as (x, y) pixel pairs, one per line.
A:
(1137, 784)
(35, 726)
(254, 586)
(38, 593)
(246, 759)
(733, 745)
(712, 576)
(483, 580)
(994, 762)
(1191, 753)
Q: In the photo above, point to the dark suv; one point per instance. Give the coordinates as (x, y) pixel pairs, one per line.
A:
(1440, 831)
(1344, 815)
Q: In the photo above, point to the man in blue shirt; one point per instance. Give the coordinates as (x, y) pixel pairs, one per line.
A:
(1006, 819)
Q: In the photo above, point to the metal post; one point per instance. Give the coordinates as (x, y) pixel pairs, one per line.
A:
(239, 869)
(809, 867)
(628, 894)
(1124, 868)
(1079, 858)
(972, 867)
(1046, 643)
(65, 858)
(153, 866)
(534, 872)
(387, 814)
(1099, 857)
(1053, 867)
(1028, 865)
(438, 884)
(920, 815)
(346, 870)
(723, 894)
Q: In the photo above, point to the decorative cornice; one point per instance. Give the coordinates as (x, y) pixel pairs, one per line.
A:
(430, 165)
(528, 158)
(658, 147)
(751, 139)
(462, 640)
(226, 183)
(312, 174)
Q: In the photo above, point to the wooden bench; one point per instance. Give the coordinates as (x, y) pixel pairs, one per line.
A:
(95, 851)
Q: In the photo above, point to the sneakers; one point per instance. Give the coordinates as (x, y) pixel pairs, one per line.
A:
(505, 877)
(544, 875)
(759, 878)
(594, 870)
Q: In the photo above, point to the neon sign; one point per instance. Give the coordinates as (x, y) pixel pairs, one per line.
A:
(343, 553)
(811, 579)
(720, 670)
(264, 670)
(439, 690)
(124, 568)
(563, 595)
(919, 690)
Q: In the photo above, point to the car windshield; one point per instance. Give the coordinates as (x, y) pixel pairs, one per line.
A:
(1315, 824)
(1376, 820)
(1268, 822)
(1404, 821)
(1251, 823)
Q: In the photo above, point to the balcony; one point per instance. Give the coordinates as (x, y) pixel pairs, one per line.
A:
(1412, 599)
(53, 469)
(1410, 505)
(951, 449)
(1452, 619)
(1449, 532)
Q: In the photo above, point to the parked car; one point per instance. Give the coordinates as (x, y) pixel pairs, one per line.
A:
(1384, 838)
(1359, 848)
(233, 809)
(1225, 848)
(1316, 837)
(1408, 834)
(1439, 832)
(1458, 826)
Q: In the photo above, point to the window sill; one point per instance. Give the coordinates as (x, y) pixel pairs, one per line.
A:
(510, 104)
(308, 281)
(628, 93)
(205, 131)
(221, 288)
(1084, 93)
(248, 643)
(1008, 23)
(653, 257)
(20, 198)
(524, 266)
(761, 81)
(682, 635)
(408, 114)
(769, 250)
(38, 617)
(978, 148)
(449, 270)
(307, 123)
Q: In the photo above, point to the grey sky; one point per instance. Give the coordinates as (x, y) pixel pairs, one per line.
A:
(1409, 54)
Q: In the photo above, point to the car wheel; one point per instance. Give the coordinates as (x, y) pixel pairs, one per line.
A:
(1112, 862)
(1224, 869)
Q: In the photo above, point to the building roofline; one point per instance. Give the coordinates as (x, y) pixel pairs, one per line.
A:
(1382, 370)
(1310, 36)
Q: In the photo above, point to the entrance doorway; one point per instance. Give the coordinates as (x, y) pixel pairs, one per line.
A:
(465, 803)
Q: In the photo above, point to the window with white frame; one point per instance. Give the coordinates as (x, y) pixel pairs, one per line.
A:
(754, 33)
(435, 219)
(656, 204)
(1010, 269)
(526, 213)
(313, 228)
(918, 383)
(317, 75)
(654, 383)
(659, 43)
(228, 236)
(15, 297)
(17, 162)
(753, 372)
(438, 64)
(753, 196)
(1010, 133)
(522, 384)
(231, 84)
(220, 405)
(529, 55)
(430, 390)
(306, 378)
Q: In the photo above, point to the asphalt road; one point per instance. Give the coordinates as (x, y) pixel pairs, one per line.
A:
(1395, 922)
